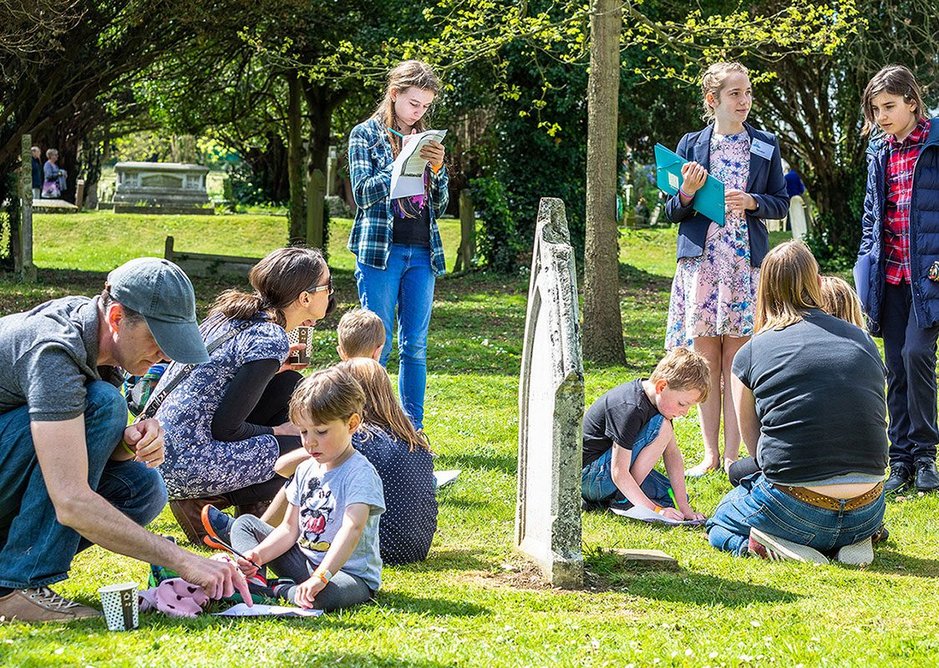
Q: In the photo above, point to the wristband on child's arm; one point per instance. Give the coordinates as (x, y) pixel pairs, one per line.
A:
(324, 575)
(657, 510)
(127, 448)
(684, 194)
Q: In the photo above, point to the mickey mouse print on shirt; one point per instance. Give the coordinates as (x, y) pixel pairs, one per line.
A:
(316, 515)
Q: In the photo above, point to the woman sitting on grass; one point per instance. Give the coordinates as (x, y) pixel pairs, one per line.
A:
(226, 422)
(809, 389)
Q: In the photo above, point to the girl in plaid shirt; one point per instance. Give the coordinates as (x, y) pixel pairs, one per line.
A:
(898, 267)
(396, 242)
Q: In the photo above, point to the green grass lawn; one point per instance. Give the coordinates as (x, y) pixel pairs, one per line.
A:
(477, 602)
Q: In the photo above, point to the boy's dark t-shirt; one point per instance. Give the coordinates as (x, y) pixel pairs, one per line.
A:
(616, 417)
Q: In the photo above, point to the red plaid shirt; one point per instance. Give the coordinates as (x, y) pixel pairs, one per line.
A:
(900, 163)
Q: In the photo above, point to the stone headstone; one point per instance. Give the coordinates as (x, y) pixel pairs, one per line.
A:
(161, 187)
(551, 407)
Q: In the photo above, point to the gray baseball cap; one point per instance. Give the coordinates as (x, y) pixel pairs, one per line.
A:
(162, 293)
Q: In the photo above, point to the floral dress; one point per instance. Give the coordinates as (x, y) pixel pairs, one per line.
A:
(714, 294)
(198, 465)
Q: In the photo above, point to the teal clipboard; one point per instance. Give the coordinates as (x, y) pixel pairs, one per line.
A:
(708, 201)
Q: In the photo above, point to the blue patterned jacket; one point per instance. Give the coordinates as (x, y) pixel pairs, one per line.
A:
(370, 160)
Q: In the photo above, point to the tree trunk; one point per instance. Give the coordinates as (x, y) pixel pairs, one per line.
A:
(603, 323)
(297, 232)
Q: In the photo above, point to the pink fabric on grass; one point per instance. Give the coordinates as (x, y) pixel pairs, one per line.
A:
(174, 597)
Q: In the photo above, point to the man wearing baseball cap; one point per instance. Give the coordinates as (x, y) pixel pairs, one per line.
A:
(72, 472)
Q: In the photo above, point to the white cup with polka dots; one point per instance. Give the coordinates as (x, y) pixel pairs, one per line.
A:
(121, 609)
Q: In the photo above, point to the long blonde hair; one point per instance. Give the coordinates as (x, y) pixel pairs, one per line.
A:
(381, 406)
(840, 300)
(403, 76)
(788, 286)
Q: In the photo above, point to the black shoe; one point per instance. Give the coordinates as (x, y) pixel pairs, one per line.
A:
(880, 535)
(588, 506)
(901, 475)
(927, 479)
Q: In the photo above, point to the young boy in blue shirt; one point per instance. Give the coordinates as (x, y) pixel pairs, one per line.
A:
(628, 429)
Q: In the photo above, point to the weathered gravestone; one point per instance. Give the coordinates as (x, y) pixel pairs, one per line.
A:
(161, 187)
(551, 407)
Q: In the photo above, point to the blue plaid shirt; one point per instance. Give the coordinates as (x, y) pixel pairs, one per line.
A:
(370, 160)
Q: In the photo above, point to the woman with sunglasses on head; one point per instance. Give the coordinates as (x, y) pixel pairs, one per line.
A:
(396, 241)
(226, 421)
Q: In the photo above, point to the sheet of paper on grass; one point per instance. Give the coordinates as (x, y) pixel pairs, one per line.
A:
(260, 610)
(644, 514)
(444, 478)
(407, 172)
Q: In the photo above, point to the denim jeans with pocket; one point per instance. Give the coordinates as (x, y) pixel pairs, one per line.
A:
(35, 550)
(403, 293)
(596, 479)
(757, 504)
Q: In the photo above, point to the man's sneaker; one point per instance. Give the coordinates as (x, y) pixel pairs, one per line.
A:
(41, 604)
(927, 479)
(780, 549)
(856, 554)
(217, 524)
(901, 475)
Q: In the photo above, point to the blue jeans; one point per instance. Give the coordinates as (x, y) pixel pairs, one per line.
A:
(344, 589)
(756, 503)
(35, 550)
(405, 288)
(596, 479)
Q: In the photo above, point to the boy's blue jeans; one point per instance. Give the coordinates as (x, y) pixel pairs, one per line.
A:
(35, 550)
(596, 479)
(405, 288)
(756, 503)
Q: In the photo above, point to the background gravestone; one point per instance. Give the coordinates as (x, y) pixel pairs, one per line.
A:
(551, 407)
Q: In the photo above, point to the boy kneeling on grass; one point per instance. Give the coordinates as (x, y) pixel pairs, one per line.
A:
(328, 539)
(628, 429)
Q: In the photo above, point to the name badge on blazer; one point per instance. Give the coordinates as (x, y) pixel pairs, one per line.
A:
(762, 149)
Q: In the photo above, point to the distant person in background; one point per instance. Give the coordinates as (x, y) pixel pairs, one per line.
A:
(36, 161)
(794, 185)
(54, 178)
(396, 242)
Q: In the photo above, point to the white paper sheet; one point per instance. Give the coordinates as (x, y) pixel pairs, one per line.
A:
(407, 172)
(645, 515)
(260, 610)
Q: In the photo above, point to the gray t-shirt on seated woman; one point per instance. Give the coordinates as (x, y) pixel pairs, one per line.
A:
(819, 391)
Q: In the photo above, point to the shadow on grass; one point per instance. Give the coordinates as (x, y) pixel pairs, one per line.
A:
(631, 278)
(490, 462)
(448, 560)
(438, 607)
(679, 586)
(894, 563)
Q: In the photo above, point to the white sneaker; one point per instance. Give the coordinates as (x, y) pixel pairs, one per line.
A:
(780, 549)
(856, 554)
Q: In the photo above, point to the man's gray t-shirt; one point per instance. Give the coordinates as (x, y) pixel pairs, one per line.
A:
(47, 356)
(322, 497)
(819, 391)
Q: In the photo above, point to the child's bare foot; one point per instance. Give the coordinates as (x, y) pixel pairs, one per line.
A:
(701, 469)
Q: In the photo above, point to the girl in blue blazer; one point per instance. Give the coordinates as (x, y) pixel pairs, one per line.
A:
(714, 290)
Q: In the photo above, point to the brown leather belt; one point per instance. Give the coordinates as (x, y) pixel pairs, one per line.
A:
(813, 498)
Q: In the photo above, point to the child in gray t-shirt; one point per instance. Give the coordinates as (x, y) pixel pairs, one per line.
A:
(328, 540)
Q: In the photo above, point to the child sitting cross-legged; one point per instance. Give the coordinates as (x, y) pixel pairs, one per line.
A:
(628, 429)
(328, 539)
